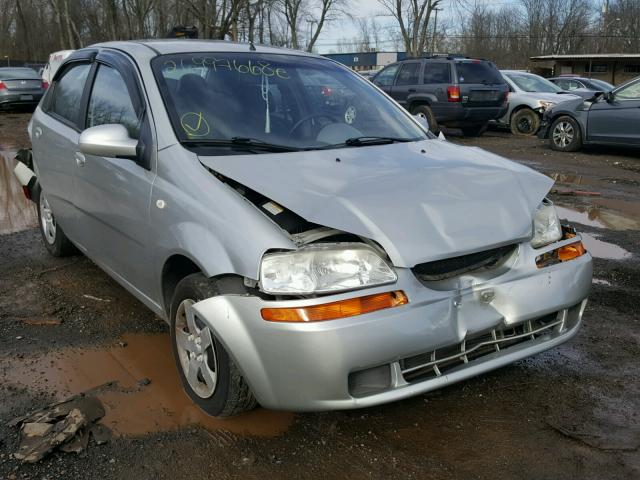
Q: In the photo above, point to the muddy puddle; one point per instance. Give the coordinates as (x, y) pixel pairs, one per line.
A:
(133, 405)
(601, 249)
(16, 212)
(599, 217)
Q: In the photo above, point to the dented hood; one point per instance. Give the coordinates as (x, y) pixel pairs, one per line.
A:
(448, 201)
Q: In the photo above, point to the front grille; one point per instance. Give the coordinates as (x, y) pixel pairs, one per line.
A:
(452, 267)
(438, 362)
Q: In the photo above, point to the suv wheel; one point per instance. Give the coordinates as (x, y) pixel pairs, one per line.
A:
(565, 135)
(54, 239)
(474, 130)
(525, 122)
(425, 112)
(208, 374)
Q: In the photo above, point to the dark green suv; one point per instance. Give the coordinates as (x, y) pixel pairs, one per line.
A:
(449, 90)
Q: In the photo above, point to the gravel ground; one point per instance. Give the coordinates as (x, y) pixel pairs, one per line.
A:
(569, 413)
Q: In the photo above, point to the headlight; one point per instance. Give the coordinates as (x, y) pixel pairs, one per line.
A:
(327, 268)
(544, 104)
(546, 225)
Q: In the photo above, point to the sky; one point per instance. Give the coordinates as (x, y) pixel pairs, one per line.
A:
(346, 29)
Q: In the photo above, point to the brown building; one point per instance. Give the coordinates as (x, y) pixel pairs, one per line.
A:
(614, 68)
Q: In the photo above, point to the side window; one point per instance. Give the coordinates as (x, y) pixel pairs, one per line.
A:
(67, 93)
(630, 92)
(110, 102)
(436, 73)
(408, 74)
(386, 76)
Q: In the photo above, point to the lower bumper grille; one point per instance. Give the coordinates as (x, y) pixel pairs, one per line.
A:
(438, 362)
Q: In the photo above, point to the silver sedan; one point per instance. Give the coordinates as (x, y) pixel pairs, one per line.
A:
(310, 243)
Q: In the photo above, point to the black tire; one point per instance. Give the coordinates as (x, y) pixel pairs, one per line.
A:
(231, 394)
(474, 130)
(525, 122)
(568, 141)
(55, 241)
(426, 112)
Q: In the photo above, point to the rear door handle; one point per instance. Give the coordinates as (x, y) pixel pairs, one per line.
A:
(412, 90)
(37, 132)
(80, 159)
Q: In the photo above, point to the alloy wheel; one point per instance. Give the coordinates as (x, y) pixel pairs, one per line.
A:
(47, 220)
(196, 350)
(563, 134)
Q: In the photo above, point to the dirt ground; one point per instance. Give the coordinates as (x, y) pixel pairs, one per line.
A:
(569, 413)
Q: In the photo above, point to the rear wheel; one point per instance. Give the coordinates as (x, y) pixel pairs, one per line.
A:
(565, 135)
(208, 374)
(54, 239)
(525, 122)
(425, 112)
(474, 130)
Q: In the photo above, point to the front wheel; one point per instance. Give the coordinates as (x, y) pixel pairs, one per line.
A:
(208, 374)
(54, 239)
(525, 122)
(565, 135)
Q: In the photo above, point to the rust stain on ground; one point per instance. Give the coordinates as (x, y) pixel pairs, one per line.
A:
(132, 409)
(42, 321)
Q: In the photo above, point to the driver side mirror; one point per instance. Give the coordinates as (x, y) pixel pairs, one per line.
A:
(110, 140)
(422, 120)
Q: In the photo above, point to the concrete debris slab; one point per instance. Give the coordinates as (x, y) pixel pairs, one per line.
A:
(66, 426)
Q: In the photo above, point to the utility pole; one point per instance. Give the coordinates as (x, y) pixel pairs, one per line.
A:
(310, 21)
(435, 30)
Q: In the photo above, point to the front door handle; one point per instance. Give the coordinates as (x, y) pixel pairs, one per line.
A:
(80, 159)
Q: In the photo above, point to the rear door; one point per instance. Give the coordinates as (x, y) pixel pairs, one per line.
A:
(113, 194)
(407, 82)
(616, 120)
(481, 84)
(436, 77)
(386, 77)
(55, 133)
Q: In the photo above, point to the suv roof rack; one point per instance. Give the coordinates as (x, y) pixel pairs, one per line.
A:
(449, 56)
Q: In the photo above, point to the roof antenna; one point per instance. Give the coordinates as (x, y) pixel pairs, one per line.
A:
(252, 47)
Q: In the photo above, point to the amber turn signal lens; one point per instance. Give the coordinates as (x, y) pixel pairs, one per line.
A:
(341, 309)
(569, 252)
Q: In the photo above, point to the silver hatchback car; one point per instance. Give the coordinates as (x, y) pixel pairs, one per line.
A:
(311, 244)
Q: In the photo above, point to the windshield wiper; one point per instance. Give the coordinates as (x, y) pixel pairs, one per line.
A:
(367, 140)
(243, 142)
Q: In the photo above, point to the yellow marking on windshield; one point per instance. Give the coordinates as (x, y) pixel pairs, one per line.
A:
(194, 124)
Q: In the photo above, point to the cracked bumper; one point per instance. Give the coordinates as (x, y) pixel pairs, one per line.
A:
(306, 366)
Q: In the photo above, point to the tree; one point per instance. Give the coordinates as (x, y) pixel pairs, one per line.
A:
(413, 21)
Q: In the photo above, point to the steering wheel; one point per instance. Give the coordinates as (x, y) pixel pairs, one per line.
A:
(307, 118)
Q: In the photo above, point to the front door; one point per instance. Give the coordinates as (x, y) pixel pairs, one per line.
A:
(113, 194)
(407, 82)
(617, 119)
(385, 78)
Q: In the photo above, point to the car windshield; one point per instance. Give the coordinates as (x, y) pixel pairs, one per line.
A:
(478, 72)
(532, 83)
(289, 101)
(601, 85)
(18, 73)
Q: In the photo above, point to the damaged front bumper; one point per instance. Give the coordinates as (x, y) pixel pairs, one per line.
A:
(442, 336)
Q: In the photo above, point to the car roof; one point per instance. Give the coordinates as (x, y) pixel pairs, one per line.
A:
(174, 46)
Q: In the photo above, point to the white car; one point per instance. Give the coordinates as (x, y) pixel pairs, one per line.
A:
(529, 96)
(54, 62)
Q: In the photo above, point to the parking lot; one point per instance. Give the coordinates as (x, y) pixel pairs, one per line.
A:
(572, 412)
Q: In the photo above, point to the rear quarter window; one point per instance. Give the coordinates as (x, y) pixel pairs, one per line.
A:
(478, 72)
(436, 73)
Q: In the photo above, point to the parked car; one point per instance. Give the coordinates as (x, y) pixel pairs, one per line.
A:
(530, 95)
(54, 62)
(447, 90)
(20, 87)
(609, 118)
(571, 83)
(307, 255)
